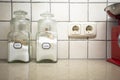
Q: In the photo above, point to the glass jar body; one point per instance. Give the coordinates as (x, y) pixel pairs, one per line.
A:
(19, 39)
(46, 40)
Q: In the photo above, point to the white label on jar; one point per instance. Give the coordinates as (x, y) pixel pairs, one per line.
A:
(46, 45)
(17, 45)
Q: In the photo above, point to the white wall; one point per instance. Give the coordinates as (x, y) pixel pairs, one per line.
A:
(65, 11)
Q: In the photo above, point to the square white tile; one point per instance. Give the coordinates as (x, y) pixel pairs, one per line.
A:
(78, 0)
(63, 49)
(41, 0)
(59, 0)
(22, 0)
(5, 14)
(60, 11)
(96, 12)
(33, 49)
(97, 0)
(62, 30)
(4, 30)
(23, 6)
(109, 29)
(77, 39)
(108, 49)
(39, 8)
(78, 49)
(3, 50)
(101, 31)
(34, 30)
(113, 0)
(97, 49)
(78, 12)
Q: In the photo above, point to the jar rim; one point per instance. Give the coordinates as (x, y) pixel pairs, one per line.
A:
(47, 14)
(20, 12)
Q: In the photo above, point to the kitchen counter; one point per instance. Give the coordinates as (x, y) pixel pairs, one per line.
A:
(63, 70)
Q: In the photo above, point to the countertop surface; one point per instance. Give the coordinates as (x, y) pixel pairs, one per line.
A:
(62, 70)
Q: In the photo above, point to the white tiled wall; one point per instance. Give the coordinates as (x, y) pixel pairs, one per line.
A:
(6, 8)
(78, 49)
(59, 0)
(3, 49)
(62, 30)
(34, 30)
(5, 29)
(78, 0)
(101, 31)
(60, 11)
(21, 6)
(37, 9)
(65, 11)
(40, 0)
(78, 12)
(21, 0)
(113, 0)
(5, 0)
(97, 0)
(97, 49)
(63, 49)
(96, 12)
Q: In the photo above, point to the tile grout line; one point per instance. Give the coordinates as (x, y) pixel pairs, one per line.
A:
(87, 48)
(31, 15)
(11, 9)
(67, 30)
(11, 15)
(31, 51)
(77, 21)
(69, 11)
(76, 40)
(50, 4)
(31, 28)
(68, 48)
(4, 40)
(88, 21)
(62, 21)
(6, 20)
(88, 10)
(106, 31)
(5, 1)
